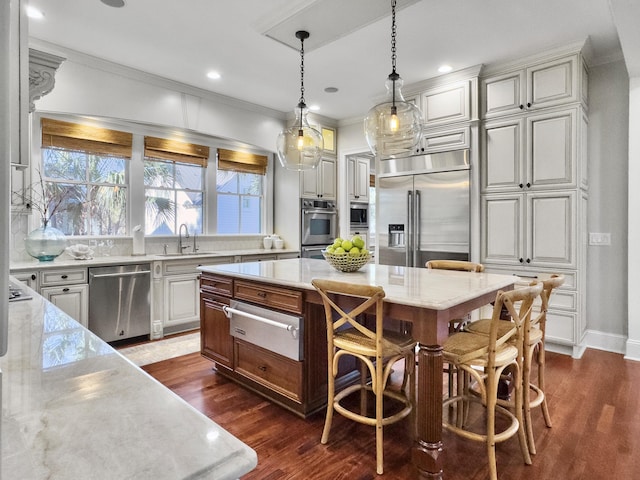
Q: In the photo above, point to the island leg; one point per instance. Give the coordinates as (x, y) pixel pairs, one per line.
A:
(427, 451)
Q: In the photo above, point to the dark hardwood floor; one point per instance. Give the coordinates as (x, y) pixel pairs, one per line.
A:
(594, 404)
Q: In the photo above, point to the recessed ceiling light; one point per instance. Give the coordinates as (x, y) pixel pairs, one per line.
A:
(33, 12)
(113, 3)
(213, 75)
(445, 68)
(314, 108)
(331, 89)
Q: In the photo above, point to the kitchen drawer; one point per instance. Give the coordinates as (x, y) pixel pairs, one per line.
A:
(268, 296)
(190, 265)
(274, 371)
(63, 277)
(218, 285)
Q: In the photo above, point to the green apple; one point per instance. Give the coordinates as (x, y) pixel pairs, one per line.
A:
(364, 251)
(337, 242)
(339, 251)
(330, 249)
(357, 241)
(354, 251)
(347, 245)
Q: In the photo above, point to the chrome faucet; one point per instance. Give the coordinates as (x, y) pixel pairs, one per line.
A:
(180, 246)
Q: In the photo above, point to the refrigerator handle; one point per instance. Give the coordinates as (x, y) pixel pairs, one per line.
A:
(417, 228)
(409, 232)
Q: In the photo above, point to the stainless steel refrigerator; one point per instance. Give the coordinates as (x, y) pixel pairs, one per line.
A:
(422, 208)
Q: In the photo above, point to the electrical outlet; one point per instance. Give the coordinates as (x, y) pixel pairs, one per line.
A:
(599, 239)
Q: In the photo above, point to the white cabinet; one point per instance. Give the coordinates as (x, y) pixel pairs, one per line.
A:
(536, 151)
(533, 184)
(68, 290)
(182, 299)
(321, 181)
(358, 169)
(530, 229)
(546, 84)
(447, 104)
(72, 300)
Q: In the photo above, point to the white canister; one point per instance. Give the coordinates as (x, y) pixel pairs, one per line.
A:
(278, 243)
(267, 242)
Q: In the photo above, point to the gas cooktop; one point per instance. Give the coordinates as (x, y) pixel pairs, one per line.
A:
(17, 293)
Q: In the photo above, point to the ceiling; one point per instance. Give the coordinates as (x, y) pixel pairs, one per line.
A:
(182, 41)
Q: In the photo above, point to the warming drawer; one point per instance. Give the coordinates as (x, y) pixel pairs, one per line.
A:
(275, 331)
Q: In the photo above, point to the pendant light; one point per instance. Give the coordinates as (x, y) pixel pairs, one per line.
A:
(300, 146)
(393, 128)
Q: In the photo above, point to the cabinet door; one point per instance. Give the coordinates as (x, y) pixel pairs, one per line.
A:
(551, 149)
(358, 178)
(217, 342)
(553, 83)
(503, 228)
(451, 103)
(503, 94)
(503, 155)
(72, 300)
(319, 182)
(181, 299)
(552, 226)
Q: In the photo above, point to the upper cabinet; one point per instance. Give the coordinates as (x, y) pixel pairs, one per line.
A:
(358, 168)
(546, 84)
(447, 104)
(321, 181)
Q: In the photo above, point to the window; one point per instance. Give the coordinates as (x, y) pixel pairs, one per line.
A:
(240, 191)
(174, 186)
(84, 177)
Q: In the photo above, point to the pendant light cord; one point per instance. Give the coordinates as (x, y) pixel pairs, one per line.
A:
(301, 103)
(393, 76)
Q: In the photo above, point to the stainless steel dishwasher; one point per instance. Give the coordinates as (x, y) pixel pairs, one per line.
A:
(119, 301)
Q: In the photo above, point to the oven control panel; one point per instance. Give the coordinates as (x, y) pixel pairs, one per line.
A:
(318, 204)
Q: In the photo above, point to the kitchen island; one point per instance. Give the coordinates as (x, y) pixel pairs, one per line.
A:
(74, 408)
(427, 299)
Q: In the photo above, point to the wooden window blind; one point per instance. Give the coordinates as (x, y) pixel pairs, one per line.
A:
(85, 138)
(372, 180)
(176, 151)
(242, 162)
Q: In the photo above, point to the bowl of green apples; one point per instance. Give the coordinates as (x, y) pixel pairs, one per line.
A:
(347, 255)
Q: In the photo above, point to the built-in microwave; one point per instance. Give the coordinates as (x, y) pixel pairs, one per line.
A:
(359, 215)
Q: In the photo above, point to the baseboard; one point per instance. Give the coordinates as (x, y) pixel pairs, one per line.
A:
(606, 341)
(633, 350)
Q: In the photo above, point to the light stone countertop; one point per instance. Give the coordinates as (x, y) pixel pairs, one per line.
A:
(73, 408)
(65, 261)
(419, 287)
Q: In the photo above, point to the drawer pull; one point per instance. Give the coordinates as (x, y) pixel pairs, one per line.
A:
(262, 368)
(262, 294)
(64, 276)
(228, 311)
(239, 330)
(65, 289)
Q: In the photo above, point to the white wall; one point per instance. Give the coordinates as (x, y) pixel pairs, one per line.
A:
(633, 342)
(607, 169)
(87, 86)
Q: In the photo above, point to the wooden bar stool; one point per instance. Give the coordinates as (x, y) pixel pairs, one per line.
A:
(377, 351)
(533, 345)
(482, 359)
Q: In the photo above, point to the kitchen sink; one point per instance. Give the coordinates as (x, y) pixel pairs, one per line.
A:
(189, 254)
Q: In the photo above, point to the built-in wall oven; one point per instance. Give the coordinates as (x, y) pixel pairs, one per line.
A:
(318, 224)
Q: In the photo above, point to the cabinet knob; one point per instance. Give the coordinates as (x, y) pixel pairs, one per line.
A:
(528, 184)
(521, 107)
(528, 104)
(33, 276)
(528, 260)
(521, 260)
(521, 185)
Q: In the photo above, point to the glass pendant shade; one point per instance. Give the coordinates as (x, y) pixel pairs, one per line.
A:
(393, 128)
(300, 146)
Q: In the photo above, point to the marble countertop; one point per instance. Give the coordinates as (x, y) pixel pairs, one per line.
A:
(420, 287)
(64, 260)
(74, 408)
